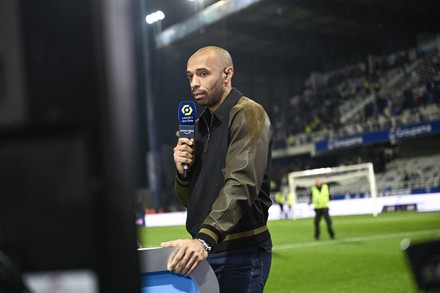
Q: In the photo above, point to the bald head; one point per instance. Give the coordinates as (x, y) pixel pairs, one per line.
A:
(222, 56)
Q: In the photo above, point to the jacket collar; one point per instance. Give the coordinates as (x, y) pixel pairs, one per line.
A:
(223, 110)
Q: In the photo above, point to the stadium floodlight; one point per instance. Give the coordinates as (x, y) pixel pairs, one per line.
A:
(154, 17)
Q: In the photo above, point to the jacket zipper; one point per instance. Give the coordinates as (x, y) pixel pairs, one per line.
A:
(209, 132)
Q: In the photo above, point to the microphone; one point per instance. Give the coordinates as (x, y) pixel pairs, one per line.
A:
(187, 119)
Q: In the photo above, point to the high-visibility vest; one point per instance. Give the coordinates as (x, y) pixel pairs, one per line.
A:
(320, 199)
(279, 197)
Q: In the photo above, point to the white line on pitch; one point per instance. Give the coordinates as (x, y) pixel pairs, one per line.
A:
(339, 220)
(374, 220)
(353, 239)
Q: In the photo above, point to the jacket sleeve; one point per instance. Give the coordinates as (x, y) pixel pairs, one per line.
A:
(250, 136)
(181, 188)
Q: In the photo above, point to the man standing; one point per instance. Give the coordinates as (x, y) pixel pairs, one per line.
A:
(285, 200)
(320, 198)
(227, 191)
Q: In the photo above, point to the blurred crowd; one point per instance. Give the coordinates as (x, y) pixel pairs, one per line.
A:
(385, 87)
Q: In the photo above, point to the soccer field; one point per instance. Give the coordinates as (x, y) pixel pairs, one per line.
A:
(364, 257)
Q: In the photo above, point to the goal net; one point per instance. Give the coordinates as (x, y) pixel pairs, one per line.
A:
(345, 182)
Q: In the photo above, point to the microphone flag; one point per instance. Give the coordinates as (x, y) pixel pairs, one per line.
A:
(187, 118)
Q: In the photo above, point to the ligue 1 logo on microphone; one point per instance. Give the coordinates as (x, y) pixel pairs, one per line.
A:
(187, 113)
(187, 110)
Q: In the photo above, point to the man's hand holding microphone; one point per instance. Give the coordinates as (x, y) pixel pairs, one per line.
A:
(183, 155)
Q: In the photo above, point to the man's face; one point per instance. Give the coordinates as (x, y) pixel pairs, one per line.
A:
(205, 79)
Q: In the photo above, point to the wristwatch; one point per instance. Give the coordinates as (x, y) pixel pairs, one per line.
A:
(205, 245)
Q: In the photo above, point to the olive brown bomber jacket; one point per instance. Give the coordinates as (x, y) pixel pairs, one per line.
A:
(227, 189)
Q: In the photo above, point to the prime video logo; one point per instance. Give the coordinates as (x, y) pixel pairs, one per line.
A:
(187, 131)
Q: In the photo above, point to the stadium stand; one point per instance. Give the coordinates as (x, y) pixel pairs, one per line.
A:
(381, 94)
(406, 90)
(413, 175)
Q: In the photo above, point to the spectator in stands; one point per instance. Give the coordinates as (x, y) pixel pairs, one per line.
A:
(382, 104)
(406, 180)
(227, 190)
(435, 92)
(367, 86)
(320, 198)
(368, 110)
(377, 86)
(408, 99)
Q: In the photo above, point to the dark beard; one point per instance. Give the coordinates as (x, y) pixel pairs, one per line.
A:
(216, 95)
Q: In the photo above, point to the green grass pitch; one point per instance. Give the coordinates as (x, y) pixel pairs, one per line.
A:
(364, 257)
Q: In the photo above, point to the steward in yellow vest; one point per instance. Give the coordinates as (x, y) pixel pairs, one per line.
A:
(285, 200)
(320, 198)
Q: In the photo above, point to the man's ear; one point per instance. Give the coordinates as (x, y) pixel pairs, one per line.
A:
(228, 72)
